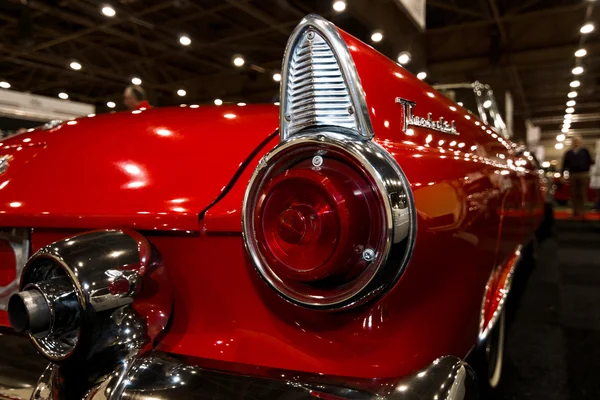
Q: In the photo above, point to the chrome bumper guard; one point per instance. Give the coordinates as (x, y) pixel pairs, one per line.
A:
(24, 374)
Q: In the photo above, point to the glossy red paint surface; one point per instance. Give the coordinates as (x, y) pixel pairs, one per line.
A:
(475, 206)
(149, 170)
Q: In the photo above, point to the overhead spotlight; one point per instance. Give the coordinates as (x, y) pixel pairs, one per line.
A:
(277, 77)
(565, 129)
(577, 71)
(422, 75)
(487, 104)
(581, 53)
(185, 40)
(238, 61)
(241, 104)
(570, 110)
(136, 81)
(4, 85)
(568, 116)
(561, 138)
(377, 36)
(218, 102)
(404, 58)
(559, 146)
(110, 104)
(75, 65)
(181, 92)
(571, 103)
(587, 28)
(63, 95)
(572, 94)
(108, 11)
(546, 164)
(339, 5)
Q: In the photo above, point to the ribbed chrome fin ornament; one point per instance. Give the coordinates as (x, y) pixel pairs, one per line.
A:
(320, 85)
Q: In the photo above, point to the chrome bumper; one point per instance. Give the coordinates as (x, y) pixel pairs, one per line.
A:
(161, 376)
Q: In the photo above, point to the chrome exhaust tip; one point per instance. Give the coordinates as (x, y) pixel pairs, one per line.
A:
(28, 311)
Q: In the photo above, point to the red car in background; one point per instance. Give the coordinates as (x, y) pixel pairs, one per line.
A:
(562, 192)
(356, 243)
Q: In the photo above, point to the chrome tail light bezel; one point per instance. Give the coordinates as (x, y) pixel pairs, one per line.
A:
(312, 119)
(398, 210)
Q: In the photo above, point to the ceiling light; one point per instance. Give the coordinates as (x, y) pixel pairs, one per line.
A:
(564, 129)
(377, 36)
(581, 53)
(339, 5)
(181, 92)
(238, 61)
(561, 138)
(241, 104)
(546, 164)
(571, 103)
(570, 110)
(422, 75)
(487, 104)
(577, 71)
(558, 146)
(75, 65)
(111, 104)
(404, 58)
(575, 84)
(218, 102)
(568, 116)
(63, 95)
(136, 81)
(4, 85)
(572, 94)
(277, 77)
(587, 28)
(108, 11)
(185, 40)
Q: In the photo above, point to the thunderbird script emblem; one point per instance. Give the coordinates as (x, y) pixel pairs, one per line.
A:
(412, 120)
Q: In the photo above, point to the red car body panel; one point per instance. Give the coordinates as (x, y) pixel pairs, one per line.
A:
(474, 210)
(154, 170)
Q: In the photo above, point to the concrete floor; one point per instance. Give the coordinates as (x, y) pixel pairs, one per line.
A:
(553, 341)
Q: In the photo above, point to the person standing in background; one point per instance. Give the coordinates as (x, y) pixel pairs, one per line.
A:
(578, 162)
(135, 98)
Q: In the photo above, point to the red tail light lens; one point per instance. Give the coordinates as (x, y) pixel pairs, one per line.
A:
(315, 222)
(318, 221)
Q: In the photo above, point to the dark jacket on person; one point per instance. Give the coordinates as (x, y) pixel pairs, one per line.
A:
(577, 160)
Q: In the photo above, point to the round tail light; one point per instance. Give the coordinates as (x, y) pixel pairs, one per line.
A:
(324, 217)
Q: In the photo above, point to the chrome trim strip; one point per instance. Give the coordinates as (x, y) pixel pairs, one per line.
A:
(504, 292)
(400, 214)
(340, 51)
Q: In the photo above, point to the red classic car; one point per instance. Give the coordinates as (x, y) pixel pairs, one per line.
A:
(357, 242)
(562, 191)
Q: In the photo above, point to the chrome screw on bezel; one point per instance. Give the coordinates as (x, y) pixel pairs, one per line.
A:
(368, 255)
(317, 161)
